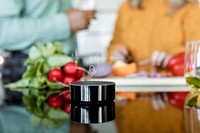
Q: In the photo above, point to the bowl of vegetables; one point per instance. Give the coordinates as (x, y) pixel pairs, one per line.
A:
(45, 84)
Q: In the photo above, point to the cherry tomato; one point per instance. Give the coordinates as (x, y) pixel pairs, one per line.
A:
(55, 101)
(176, 59)
(68, 79)
(55, 74)
(177, 99)
(178, 69)
(70, 68)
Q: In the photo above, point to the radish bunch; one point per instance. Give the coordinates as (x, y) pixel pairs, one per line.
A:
(71, 72)
(46, 82)
(60, 101)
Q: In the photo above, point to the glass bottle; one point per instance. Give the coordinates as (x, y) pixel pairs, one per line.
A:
(192, 77)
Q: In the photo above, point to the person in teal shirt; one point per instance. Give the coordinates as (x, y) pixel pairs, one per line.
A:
(22, 23)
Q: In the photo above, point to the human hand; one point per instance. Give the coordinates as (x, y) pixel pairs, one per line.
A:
(158, 59)
(80, 19)
(121, 54)
(159, 100)
(135, 3)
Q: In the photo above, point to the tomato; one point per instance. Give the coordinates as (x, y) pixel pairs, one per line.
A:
(55, 101)
(177, 99)
(70, 68)
(55, 74)
(176, 59)
(68, 79)
(178, 69)
(176, 64)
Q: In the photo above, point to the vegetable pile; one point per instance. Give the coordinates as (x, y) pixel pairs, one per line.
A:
(45, 84)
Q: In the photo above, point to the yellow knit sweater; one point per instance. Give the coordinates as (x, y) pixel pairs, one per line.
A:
(151, 28)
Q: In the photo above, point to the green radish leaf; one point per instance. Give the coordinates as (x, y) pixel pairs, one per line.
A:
(34, 53)
(49, 50)
(58, 60)
(52, 123)
(57, 114)
(53, 85)
(46, 68)
(23, 83)
(35, 83)
(35, 120)
(59, 47)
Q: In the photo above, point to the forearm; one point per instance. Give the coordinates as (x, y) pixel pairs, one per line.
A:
(21, 33)
(117, 41)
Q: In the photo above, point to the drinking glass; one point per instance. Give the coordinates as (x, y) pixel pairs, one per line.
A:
(192, 76)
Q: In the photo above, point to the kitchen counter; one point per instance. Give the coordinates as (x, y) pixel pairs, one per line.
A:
(137, 114)
(171, 84)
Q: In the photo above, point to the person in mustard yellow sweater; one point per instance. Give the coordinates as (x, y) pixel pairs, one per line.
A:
(142, 27)
(154, 25)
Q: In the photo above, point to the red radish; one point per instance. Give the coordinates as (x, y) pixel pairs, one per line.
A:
(70, 68)
(66, 96)
(55, 74)
(79, 74)
(68, 79)
(67, 108)
(55, 101)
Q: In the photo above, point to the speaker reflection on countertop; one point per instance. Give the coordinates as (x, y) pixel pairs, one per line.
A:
(92, 102)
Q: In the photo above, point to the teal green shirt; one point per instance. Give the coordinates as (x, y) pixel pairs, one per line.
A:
(23, 22)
